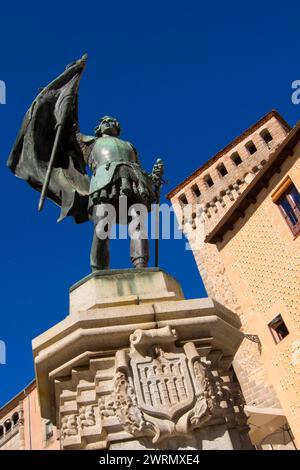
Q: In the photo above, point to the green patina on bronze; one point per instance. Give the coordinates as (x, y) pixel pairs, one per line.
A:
(121, 273)
(52, 155)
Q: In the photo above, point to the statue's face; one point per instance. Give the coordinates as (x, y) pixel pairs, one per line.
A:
(110, 126)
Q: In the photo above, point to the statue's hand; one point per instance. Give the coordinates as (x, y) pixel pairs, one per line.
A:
(157, 171)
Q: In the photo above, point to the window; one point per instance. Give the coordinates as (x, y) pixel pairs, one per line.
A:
(236, 159)
(15, 418)
(7, 426)
(266, 136)
(251, 147)
(222, 170)
(196, 190)
(278, 329)
(183, 199)
(49, 429)
(208, 181)
(289, 205)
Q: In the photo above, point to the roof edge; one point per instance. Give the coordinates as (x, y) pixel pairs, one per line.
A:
(19, 395)
(249, 195)
(233, 143)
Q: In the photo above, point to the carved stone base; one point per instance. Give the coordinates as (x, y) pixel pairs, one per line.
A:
(129, 368)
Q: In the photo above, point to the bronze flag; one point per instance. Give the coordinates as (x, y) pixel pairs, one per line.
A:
(55, 105)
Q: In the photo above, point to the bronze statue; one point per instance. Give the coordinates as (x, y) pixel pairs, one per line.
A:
(52, 155)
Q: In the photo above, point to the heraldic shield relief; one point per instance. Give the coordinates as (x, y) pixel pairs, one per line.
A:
(163, 383)
(160, 389)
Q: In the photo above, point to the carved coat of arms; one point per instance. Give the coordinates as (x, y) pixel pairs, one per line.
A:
(160, 390)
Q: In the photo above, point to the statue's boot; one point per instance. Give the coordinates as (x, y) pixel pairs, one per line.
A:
(140, 263)
(139, 252)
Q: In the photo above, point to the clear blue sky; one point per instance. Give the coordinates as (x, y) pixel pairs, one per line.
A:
(184, 79)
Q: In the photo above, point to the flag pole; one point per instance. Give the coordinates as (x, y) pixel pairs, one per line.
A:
(59, 129)
(67, 101)
(157, 225)
(158, 172)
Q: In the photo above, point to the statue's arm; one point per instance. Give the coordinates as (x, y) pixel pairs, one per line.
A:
(136, 153)
(157, 170)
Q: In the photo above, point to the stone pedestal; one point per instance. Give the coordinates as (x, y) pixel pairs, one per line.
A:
(136, 366)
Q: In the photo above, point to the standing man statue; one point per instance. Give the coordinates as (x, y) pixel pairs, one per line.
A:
(117, 173)
(52, 156)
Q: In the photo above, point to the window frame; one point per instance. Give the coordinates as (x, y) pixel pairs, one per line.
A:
(221, 167)
(250, 144)
(236, 156)
(183, 201)
(275, 335)
(196, 191)
(295, 229)
(265, 133)
(209, 181)
(49, 431)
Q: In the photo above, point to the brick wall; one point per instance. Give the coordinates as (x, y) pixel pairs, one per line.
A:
(262, 256)
(208, 209)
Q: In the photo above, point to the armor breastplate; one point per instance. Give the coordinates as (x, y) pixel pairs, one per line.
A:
(111, 149)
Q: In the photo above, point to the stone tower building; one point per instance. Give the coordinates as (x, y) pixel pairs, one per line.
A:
(21, 424)
(135, 365)
(239, 212)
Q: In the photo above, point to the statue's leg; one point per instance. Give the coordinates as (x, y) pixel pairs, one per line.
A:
(99, 257)
(139, 244)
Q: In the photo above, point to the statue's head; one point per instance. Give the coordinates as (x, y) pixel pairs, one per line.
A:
(109, 126)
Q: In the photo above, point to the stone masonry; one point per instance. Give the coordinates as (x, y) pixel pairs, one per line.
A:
(210, 192)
